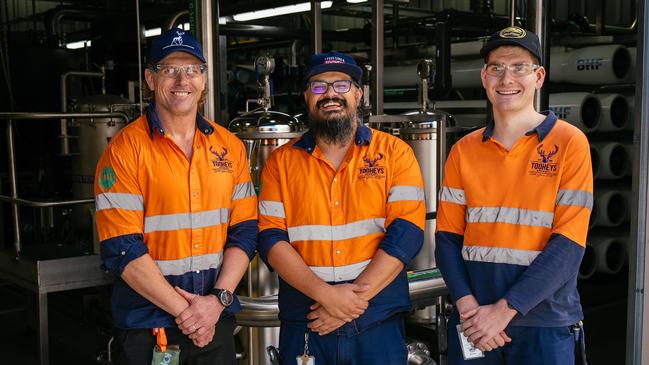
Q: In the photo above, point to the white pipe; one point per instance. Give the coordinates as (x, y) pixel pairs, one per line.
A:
(633, 54)
(630, 125)
(583, 110)
(588, 263)
(615, 112)
(612, 208)
(610, 252)
(614, 160)
(596, 65)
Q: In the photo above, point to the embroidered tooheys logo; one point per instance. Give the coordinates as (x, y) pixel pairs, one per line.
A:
(545, 164)
(221, 163)
(372, 169)
(513, 33)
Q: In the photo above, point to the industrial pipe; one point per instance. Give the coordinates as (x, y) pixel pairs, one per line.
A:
(610, 252)
(595, 65)
(583, 110)
(588, 263)
(614, 160)
(612, 208)
(615, 112)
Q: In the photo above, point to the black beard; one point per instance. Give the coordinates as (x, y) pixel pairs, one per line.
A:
(337, 128)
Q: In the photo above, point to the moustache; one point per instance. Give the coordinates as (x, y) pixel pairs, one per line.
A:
(340, 101)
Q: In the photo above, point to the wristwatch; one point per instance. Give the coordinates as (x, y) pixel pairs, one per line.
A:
(224, 296)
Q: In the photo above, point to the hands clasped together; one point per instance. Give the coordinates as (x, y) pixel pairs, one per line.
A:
(198, 321)
(339, 305)
(484, 325)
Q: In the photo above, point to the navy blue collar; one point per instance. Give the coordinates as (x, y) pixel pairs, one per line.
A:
(541, 130)
(155, 126)
(307, 141)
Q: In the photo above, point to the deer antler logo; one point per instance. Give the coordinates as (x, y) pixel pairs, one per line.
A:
(372, 162)
(219, 156)
(178, 40)
(546, 156)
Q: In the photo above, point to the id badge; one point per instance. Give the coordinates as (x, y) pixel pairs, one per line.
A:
(469, 352)
(169, 357)
(305, 360)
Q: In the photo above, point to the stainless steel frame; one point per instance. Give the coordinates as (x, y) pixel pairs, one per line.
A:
(46, 276)
(637, 350)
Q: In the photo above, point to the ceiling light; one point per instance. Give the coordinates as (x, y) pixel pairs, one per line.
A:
(282, 10)
(152, 32)
(356, 1)
(79, 44)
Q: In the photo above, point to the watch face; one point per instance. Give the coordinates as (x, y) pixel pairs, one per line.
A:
(225, 297)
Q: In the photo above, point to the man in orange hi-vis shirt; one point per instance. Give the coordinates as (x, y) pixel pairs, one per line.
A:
(342, 214)
(512, 220)
(177, 219)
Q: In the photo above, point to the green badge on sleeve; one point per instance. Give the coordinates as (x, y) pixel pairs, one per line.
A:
(107, 178)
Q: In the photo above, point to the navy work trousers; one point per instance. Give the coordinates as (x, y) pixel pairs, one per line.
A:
(383, 344)
(529, 346)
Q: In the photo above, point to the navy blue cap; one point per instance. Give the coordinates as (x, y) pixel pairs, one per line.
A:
(334, 61)
(513, 36)
(175, 40)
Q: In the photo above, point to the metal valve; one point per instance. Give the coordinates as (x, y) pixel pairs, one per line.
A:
(425, 71)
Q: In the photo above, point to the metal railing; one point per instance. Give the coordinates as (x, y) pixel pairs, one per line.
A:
(13, 184)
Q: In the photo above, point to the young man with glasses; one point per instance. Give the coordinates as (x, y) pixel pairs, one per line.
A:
(341, 216)
(177, 219)
(513, 217)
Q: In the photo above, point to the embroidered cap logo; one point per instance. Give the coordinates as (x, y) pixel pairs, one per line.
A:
(513, 33)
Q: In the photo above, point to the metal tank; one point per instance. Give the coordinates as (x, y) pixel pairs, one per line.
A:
(263, 130)
(421, 133)
(90, 137)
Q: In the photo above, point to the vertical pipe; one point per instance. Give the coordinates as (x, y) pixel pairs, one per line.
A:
(220, 57)
(538, 12)
(638, 306)
(316, 26)
(377, 57)
(13, 186)
(512, 13)
(206, 37)
(139, 54)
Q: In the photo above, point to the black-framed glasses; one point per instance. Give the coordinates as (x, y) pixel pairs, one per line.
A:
(516, 70)
(172, 71)
(339, 86)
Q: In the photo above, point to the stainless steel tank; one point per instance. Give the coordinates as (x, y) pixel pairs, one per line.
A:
(421, 134)
(262, 132)
(90, 137)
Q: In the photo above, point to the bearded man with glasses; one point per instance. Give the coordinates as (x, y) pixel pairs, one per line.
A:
(342, 215)
(177, 219)
(512, 220)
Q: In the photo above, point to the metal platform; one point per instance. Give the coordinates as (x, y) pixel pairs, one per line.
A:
(46, 272)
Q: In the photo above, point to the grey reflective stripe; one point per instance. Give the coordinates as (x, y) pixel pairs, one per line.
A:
(400, 193)
(192, 263)
(172, 222)
(119, 201)
(339, 273)
(242, 191)
(523, 217)
(452, 195)
(271, 208)
(335, 233)
(579, 198)
(499, 255)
